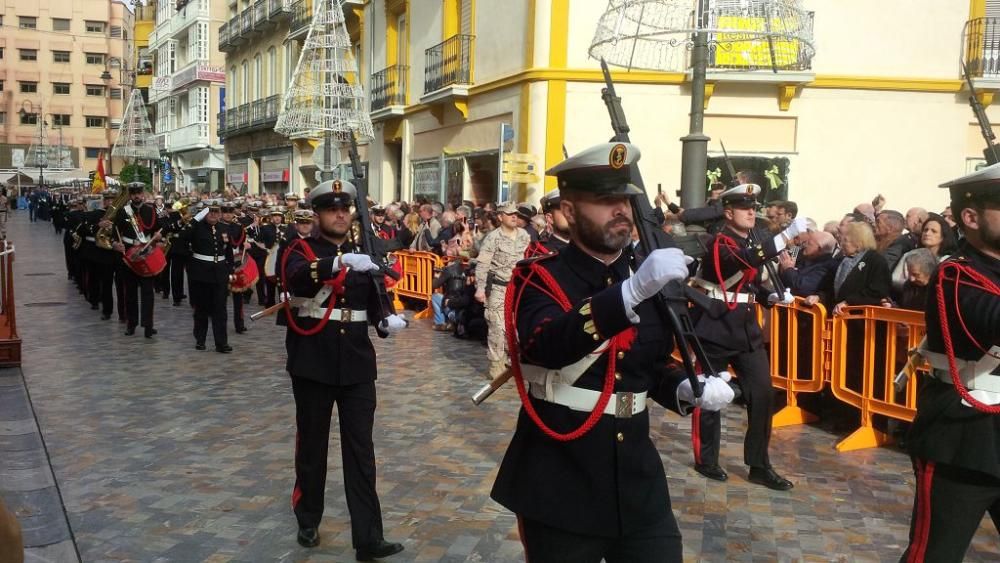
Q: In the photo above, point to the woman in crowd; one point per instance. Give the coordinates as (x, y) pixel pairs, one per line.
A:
(937, 236)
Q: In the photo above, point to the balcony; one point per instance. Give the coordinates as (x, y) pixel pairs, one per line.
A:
(254, 116)
(189, 137)
(259, 14)
(301, 18)
(224, 44)
(246, 21)
(448, 75)
(262, 16)
(236, 37)
(388, 91)
(981, 39)
(278, 9)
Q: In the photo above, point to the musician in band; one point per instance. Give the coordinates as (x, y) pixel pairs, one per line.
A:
(208, 269)
(584, 488)
(726, 323)
(271, 234)
(955, 437)
(257, 250)
(331, 360)
(238, 240)
(557, 236)
(98, 264)
(136, 227)
(177, 219)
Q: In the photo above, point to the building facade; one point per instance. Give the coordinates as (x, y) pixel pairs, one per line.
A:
(188, 90)
(63, 83)
(467, 108)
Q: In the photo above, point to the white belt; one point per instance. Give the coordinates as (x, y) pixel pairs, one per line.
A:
(340, 315)
(90, 239)
(730, 296)
(207, 257)
(127, 240)
(621, 405)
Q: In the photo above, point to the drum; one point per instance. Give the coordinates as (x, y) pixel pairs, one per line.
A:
(271, 264)
(245, 277)
(146, 261)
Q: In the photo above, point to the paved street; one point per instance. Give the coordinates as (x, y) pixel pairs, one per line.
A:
(163, 453)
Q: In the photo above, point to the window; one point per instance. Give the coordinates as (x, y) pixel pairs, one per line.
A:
(28, 54)
(92, 152)
(3, 118)
(60, 24)
(116, 93)
(258, 77)
(60, 56)
(29, 118)
(272, 71)
(245, 83)
(60, 88)
(29, 87)
(116, 32)
(94, 27)
(26, 22)
(1, 85)
(95, 58)
(95, 121)
(1, 49)
(60, 119)
(95, 90)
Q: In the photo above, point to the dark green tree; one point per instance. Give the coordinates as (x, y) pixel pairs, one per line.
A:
(136, 173)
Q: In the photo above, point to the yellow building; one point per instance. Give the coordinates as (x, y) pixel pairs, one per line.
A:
(456, 82)
(145, 21)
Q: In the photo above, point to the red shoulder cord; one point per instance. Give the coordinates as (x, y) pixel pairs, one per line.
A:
(536, 248)
(520, 280)
(142, 224)
(299, 246)
(749, 272)
(953, 271)
(239, 243)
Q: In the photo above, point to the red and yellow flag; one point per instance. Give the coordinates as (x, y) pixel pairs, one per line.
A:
(100, 182)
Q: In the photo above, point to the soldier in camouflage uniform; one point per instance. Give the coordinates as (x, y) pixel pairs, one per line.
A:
(500, 251)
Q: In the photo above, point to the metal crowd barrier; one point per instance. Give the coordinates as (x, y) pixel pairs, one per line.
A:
(798, 338)
(10, 342)
(416, 282)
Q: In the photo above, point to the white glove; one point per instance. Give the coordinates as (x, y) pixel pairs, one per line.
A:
(393, 323)
(660, 267)
(356, 262)
(797, 227)
(201, 214)
(716, 392)
(786, 299)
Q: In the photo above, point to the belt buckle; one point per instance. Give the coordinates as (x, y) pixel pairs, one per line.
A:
(623, 404)
(345, 315)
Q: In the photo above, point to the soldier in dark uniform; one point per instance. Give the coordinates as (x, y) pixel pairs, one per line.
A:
(271, 235)
(74, 218)
(238, 240)
(258, 249)
(209, 269)
(335, 366)
(955, 437)
(730, 334)
(582, 494)
(136, 225)
(99, 263)
(177, 220)
(557, 237)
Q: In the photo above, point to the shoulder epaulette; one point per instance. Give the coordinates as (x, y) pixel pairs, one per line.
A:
(529, 261)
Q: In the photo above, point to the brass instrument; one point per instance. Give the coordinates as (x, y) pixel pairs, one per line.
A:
(139, 235)
(103, 236)
(77, 239)
(185, 213)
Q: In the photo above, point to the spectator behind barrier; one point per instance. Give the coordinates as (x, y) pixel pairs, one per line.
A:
(862, 277)
(892, 243)
(815, 265)
(920, 266)
(936, 236)
(451, 280)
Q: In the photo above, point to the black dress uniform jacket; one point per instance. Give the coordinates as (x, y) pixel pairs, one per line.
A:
(208, 240)
(90, 251)
(945, 430)
(342, 353)
(145, 219)
(610, 481)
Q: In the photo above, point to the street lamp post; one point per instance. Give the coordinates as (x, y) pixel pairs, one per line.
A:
(40, 149)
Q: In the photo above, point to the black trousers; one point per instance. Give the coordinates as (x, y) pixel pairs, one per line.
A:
(356, 413)
(162, 283)
(753, 373)
(177, 265)
(261, 287)
(100, 283)
(137, 289)
(270, 292)
(947, 509)
(658, 543)
(209, 302)
(238, 300)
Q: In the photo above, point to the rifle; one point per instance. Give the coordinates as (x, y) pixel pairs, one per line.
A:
(672, 302)
(991, 152)
(368, 242)
(772, 273)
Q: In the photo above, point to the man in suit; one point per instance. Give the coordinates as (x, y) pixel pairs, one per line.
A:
(730, 334)
(814, 266)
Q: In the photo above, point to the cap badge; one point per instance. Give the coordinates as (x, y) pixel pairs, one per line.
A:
(618, 156)
(337, 187)
(749, 190)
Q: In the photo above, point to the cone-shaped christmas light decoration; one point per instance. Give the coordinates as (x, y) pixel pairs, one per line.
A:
(325, 99)
(135, 135)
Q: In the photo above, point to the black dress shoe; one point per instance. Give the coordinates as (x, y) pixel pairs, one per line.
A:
(199, 346)
(224, 349)
(241, 330)
(177, 302)
(378, 550)
(130, 331)
(93, 307)
(308, 537)
(713, 472)
(769, 478)
(150, 332)
(105, 317)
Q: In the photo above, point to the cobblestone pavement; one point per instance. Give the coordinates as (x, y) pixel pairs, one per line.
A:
(164, 453)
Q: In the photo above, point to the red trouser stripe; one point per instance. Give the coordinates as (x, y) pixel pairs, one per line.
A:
(921, 530)
(696, 434)
(296, 491)
(520, 534)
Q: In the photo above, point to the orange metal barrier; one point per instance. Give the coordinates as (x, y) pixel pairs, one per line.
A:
(797, 329)
(887, 335)
(10, 342)
(416, 281)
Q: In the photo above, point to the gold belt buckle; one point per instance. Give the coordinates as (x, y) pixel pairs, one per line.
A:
(623, 404)
(345, 315)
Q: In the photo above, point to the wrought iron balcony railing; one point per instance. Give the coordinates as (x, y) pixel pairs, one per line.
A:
(258, 114)
(389, 87)
(448, 63)
(982, 47)
(301, 17)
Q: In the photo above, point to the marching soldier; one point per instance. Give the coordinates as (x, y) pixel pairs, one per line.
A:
(177, 254)
(257, 250)
(98, 263)
(291, 205)
(238, 240)
(499, 252)
(135, 226)
(587, 485)
(331, 360)
(557, 237)
(209, 269)
(271, 235)
(730, 334)
(955, 437)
